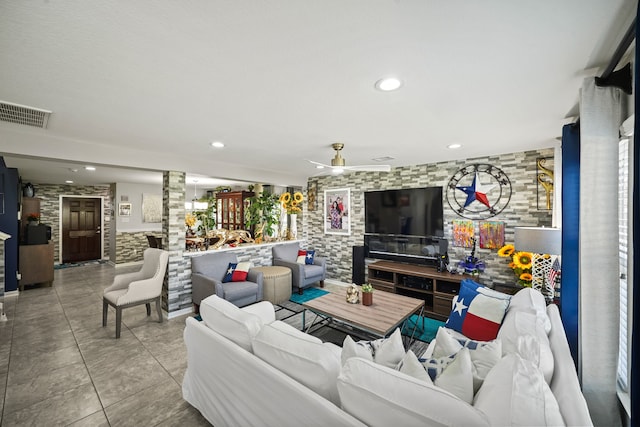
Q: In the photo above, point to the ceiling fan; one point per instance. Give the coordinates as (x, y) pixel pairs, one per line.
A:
(338, 164)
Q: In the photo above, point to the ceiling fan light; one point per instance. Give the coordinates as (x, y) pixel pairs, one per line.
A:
(337, 171)
(388, 84)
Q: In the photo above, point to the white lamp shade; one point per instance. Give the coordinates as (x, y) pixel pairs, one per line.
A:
(538, 240)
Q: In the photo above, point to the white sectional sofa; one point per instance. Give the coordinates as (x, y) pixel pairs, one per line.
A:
(247, 369)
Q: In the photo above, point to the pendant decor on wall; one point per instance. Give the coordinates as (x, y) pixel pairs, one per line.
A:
(479, 191)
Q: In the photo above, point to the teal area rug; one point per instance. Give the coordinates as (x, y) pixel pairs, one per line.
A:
(430, 327)
(307, 295)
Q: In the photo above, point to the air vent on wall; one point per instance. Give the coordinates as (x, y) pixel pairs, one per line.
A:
(23, 115)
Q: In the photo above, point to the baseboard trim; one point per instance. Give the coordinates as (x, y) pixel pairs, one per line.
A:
(129, 264)
(178, 313)
(336, 282)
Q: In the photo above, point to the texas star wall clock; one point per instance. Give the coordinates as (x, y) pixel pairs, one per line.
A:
(479, 191)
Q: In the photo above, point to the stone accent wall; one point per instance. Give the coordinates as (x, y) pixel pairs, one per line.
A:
(176, 293)
(49, 195)
(131, 245)
(521, 210)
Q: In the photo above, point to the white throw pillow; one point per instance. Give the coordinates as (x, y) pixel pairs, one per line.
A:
(411, 366)
(381, 397)
(229, 321)
(484, 354)
(313, 363)
(519, 323)
(385, 351)
(457, 377)
(531, 301)
(516, 394)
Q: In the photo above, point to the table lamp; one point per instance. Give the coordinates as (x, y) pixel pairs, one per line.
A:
(545, 245)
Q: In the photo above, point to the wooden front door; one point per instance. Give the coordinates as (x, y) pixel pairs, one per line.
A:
(81, 229)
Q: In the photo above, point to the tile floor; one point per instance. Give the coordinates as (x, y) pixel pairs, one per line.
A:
(59, 366)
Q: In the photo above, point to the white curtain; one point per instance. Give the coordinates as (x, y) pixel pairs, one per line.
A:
(601, 113)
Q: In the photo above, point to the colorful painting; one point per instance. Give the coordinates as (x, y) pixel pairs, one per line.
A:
(491, 234)
(463, 231)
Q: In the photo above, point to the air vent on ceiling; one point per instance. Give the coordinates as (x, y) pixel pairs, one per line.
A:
(23, 115)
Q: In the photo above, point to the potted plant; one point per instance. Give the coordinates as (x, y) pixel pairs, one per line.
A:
(367, 294)
(263, 215)
(207, 217)
(33, 218)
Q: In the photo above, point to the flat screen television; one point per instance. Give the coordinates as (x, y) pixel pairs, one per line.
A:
(405, 224)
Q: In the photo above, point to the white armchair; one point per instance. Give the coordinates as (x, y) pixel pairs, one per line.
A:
(141, 287)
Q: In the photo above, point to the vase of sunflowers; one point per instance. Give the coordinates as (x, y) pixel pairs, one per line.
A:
(520, 263)
(292, 205)
(190, 220)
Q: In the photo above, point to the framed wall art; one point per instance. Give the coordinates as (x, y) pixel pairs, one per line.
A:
(151, 207)
(337, 211)
(124, 209)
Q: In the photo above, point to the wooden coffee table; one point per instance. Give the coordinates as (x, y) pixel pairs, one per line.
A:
(387, 312)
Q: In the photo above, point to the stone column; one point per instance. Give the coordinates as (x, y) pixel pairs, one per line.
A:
(174, 296)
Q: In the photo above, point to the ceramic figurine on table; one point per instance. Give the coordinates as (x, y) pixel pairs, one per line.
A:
(353, 294)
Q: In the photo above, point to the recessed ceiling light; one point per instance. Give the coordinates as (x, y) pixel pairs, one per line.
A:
(217, 144)
(388, 84)
(319, 167)
(68, 181)
(90, 168)
(383, 159)
(454, 146)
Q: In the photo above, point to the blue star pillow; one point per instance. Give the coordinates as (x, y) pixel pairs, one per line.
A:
(237, 272)
(305, 257)
(478, 311)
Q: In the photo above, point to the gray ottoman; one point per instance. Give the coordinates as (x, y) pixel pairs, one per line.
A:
(276, 283)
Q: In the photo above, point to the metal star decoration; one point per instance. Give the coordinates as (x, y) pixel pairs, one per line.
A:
(476, 191)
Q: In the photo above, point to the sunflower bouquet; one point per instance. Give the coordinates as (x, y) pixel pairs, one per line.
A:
(190, 220)
(292, 204)
(520, 263)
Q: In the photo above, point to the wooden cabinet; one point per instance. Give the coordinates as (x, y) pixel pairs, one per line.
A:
(437, 289)
(36, 264)
(232, 209)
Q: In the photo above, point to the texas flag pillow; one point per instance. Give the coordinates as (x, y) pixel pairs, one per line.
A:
(305, 257)
(237, 272)
(478, 311)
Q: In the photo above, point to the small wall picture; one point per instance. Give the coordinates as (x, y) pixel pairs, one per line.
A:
(463, 231)
(337, 211)
(491, 234)
(312, 196)
(124, 209)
